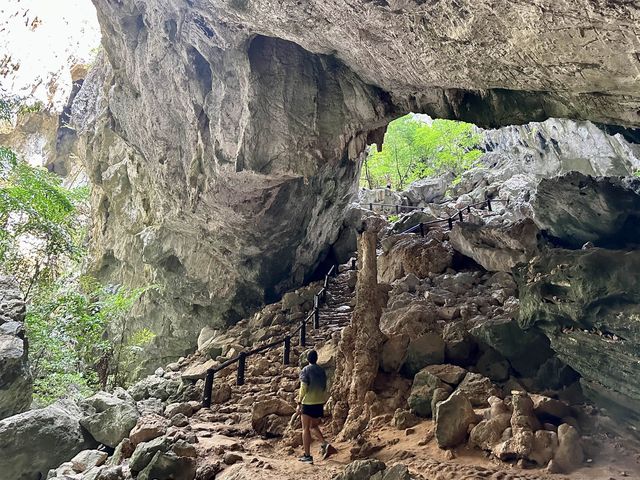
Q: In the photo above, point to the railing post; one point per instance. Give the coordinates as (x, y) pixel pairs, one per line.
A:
(397, 210)
(316, 318)
(287, 350)
(450, 220)
(489, 204)
(208, 389)
(353, 264)
(303, 333)
(469, 209)
(371, 207)
(336, 267)
(421, 229)
(460, 215)
(242, 363)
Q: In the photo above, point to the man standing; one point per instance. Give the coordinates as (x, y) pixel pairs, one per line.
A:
(313, 395)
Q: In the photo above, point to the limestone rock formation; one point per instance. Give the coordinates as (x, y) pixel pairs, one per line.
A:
(587, 303)
(15, 376)
(358, 356)
(36, 441)
(498, 249)
(518, 157)
(46, 53)
(576, 209)
(226, 140)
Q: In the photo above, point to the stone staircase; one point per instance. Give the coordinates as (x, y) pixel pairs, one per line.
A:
(266, 377)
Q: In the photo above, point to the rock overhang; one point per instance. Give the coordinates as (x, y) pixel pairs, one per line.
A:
(212, 108)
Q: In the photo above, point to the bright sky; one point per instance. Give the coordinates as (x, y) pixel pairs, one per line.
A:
(44, 38)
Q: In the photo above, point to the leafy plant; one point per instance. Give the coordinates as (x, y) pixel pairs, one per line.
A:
(413, 149)
(38, 221)
(78, 336)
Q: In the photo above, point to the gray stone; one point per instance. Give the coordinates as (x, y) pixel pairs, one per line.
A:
(397, 472)
(145, 451)
(36, 441)
(361, 470)
(427, 349)
(110, 426)
(577, 208)
(498, 249)
(570, 454)
(451, 374)
(453, 417)
(403, 419)
(88, 459)
(478, 389)
(394, 353)
(169, 466)
(422, 390)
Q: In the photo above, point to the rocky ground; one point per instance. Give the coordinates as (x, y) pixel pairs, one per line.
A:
(462, 392)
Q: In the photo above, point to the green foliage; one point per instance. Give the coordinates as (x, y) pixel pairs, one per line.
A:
(413, 149)
(393, 218)
(636, 173)
(38, 221)
(77, 330)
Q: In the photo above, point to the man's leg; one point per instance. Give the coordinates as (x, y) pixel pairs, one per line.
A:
(315, 426)
(306, 433)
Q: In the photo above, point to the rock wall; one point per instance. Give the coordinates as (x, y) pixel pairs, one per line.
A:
(588, 303)
(225, 143)
(15, 377)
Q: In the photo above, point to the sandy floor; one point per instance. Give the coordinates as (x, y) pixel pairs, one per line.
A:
(269, 459)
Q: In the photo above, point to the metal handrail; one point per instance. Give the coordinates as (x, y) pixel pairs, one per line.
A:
(286, 340)
(455, 217)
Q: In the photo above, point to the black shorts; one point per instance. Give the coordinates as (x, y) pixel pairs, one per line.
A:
(314, 411)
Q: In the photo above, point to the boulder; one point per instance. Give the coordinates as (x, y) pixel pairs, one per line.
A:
(145, 451)
(270, 417)
(411, 219)
(497, 249)
(361, 470)
(450, 374)
(403, 419)
(111, 423)
(570, 454)
(414, 254)
(154, 387)
(545, 445)
(36, 441)
(147, 428)
(526, 350)
(478, 389)
(409, 318)
(169, 466)
(397, 472)
(460, 346)
(16, 385)
(428, 190)
(88, 459)
(453, 417)
(577, 208)
(422, 390)
(427, 349)
(394, 353)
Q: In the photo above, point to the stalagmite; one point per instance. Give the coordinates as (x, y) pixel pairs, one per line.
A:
(361, 342)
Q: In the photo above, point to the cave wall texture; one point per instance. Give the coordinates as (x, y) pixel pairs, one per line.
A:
(223, 137)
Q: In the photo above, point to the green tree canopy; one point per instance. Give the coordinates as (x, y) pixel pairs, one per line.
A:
(413, 149)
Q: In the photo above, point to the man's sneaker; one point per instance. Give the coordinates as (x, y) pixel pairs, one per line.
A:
(327, 450)
(306, 459)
